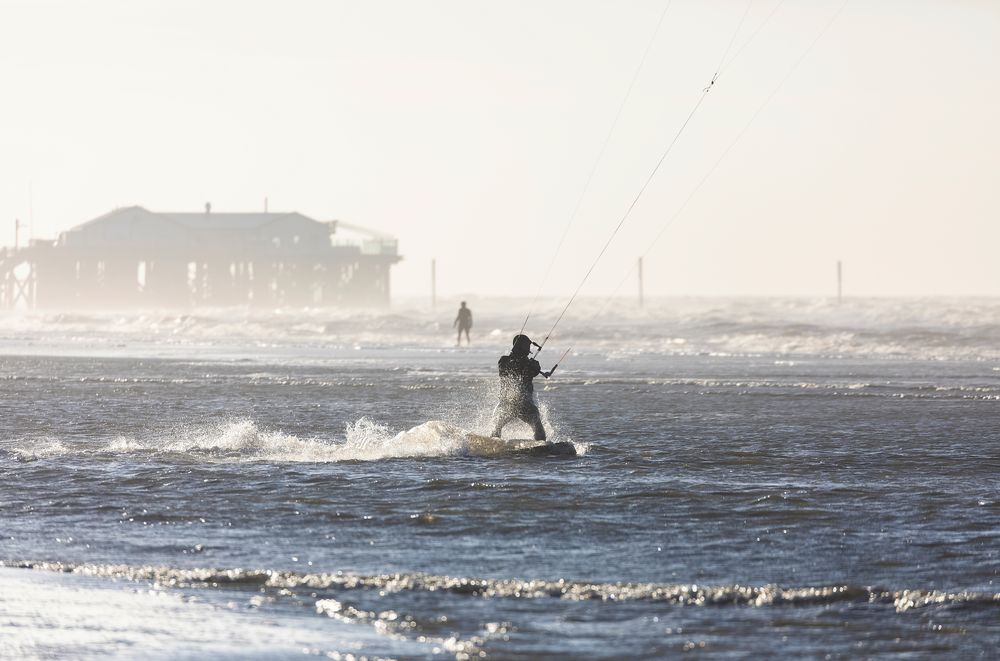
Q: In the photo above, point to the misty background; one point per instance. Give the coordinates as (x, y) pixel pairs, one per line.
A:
(468, 129)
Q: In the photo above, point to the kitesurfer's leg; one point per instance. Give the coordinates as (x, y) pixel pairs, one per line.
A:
(539, 429)
(501, 416)
(531, 415)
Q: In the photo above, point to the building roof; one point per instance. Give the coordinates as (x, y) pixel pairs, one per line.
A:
(288, 231)
(233, 221)
(213, 220)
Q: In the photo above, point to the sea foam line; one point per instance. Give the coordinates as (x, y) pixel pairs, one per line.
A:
(677, 594)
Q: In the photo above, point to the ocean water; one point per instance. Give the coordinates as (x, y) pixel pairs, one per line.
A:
(751, 477)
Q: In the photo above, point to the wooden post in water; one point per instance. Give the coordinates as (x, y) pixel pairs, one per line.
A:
(434, 295)
(840, 283)
(640, 282)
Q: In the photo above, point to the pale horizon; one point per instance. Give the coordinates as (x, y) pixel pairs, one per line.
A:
(467, 132)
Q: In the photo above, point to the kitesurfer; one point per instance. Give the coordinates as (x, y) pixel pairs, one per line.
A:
(464, 323)
(517, 393)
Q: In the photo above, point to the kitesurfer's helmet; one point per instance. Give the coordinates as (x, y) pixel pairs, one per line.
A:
(521, 345)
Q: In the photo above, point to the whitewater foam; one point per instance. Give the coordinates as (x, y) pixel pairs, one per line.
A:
(40, 450)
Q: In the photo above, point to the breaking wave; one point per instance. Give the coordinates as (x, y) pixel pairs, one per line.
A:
(922, 328)
(676, 594)
(245, 441)
(844, 388)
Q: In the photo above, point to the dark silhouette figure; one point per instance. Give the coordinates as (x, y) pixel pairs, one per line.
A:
(464, 323)
(517, 393)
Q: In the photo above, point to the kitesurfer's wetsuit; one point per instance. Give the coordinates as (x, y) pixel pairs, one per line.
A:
(517, 394)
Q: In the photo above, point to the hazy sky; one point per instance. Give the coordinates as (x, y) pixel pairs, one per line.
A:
(468, 129)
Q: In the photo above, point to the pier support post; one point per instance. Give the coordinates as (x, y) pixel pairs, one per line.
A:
(640, 283)
(434, 295)
(840, 283)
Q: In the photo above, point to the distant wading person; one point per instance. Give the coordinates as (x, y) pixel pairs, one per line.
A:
(464, 323)
(517, 393)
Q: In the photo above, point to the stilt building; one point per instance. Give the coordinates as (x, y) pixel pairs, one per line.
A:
(136, 258)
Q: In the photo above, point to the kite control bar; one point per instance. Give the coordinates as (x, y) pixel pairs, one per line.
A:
(553, 370)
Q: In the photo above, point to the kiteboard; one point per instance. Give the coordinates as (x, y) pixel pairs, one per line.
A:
(494, 447)
(545, 449)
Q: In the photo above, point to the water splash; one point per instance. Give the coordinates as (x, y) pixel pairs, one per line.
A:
(242, 440)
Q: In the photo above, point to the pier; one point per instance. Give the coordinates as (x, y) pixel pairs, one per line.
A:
(136, 258)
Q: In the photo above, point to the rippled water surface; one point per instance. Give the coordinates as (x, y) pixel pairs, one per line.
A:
(748, 477)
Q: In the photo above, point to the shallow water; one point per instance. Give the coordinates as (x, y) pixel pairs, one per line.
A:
(750, 477)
